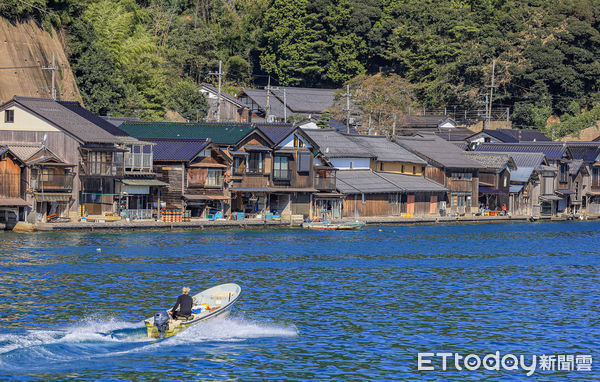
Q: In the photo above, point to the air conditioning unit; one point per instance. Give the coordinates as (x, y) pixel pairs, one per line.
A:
(270, 118)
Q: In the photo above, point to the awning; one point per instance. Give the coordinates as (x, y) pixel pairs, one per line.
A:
(205, 197)
(257, 148)
(52, 196)
(550, 197)
(239, 152)
(565, 191)
(328, 195)
(13, 202)
(515, 188)
(490, 190)
(290, 189)
(103, 149)
(143, 182)
(209, 165)
(255, 189)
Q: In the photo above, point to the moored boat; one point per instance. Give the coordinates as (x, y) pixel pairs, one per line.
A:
(213, 302)
(342, 225)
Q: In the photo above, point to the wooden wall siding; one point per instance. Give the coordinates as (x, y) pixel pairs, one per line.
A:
(504, 178)
(61, 144)
(379, 205)
(488, 178)
(229, 112)
(301, 204)
(10, 179)
(435, 174)
(196, 177)
(172, 174)
(299, 180)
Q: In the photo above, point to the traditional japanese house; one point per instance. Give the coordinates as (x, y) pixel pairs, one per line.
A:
(525, 184)
(558, 156)
(223, 107)
(388, 156)
(48, 181)
(195, 171)
(508, 136)
(494, 179)
(251, 177)
(74, 139)
(588, 153)
(138, 191)
(447, 165)
(293, 171)
(13, 207)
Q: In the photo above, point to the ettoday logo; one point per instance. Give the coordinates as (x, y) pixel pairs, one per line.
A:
(509, 362)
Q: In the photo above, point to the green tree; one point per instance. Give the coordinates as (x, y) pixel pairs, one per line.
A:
(188, 101)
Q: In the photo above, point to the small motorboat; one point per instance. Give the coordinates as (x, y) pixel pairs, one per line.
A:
(214, 302)
(342, 225)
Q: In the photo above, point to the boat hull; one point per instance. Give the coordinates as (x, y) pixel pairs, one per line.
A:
(221, 298)
(342, 226)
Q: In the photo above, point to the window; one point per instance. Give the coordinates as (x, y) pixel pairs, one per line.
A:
(363, 199)
(238, 165)
(9, 116)
(298, 142)
(304, 159)
(548, 186)
(281, 168)
(505, 180)
(563, 172)
(254, 163)
(596, 177)
(414, 170)
(462, 176)
(213, 178)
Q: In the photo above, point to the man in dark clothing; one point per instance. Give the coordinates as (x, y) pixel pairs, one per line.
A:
(183, 306)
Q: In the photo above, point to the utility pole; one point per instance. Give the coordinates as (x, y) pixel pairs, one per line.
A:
(52, 69)
(220, 75)
(284, 107)
(489, 116)
(268, 111)
(394, 125)
(347, 95)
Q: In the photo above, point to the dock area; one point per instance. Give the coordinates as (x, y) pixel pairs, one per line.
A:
(260, 223)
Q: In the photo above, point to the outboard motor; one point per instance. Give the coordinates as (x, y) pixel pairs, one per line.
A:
(161, 321)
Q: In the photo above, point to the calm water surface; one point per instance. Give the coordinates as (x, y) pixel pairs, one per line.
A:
(315, 305)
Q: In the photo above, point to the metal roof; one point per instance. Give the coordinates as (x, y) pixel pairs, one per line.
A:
(67, 120)
(336, 145)
(276, 132)
(575, 165)
(424, 121)
(297, 100)
(515, 188)
(177, 150)
(221, 133)
(143, 182)
(384, 150)
(369, 182)
(224, 95)
(552, 150)
(438, 150)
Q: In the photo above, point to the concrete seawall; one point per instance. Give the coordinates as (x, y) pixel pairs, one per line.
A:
(256, 223)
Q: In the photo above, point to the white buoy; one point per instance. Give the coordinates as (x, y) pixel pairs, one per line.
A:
(98, 250)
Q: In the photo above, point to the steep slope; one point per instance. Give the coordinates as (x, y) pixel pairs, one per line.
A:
(27, 45)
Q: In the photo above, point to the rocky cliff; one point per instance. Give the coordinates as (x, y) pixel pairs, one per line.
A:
(24, 49)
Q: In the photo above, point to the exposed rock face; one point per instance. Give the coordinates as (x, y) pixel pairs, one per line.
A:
(25, 44)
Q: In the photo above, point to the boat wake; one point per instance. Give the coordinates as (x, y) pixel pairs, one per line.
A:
(94, 340)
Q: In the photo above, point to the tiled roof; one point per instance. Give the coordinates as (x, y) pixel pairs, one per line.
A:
(340, 126)
(370, 182)
(23, 150)
(276, 132)
(177, 150)
(575, 165)
(221, 133)
(587, 151)
(423, 121)
(117, 121)
(224, 95)
(516, 135)
(526, 163)
(71, 122)
(335, 145)
(297, 100)
(3, 149)
(491, 160)
(552, 150)
(384, 150)
(456, 134)
(438, 150)
(75, 107)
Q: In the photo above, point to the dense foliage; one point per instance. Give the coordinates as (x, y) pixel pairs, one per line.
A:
(128, 55)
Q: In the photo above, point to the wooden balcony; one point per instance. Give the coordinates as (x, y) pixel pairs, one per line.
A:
(53, 183)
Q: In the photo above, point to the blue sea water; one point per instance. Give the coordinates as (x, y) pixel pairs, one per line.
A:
(316, 305)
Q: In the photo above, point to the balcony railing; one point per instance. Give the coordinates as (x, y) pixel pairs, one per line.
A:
(279, 174)
(103, 168)
(324, 183)
(53, 182)
(138, 162)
